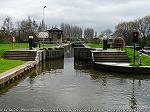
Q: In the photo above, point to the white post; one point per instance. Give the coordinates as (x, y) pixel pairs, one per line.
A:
(43, 25)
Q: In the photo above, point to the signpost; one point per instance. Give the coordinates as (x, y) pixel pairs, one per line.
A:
(13, 41)
(135, 40)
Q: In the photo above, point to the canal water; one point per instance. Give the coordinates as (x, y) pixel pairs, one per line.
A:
(66, 85)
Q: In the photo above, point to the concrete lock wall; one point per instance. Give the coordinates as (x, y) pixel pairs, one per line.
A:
(82, 53)
(122, 69)
(54, 53)
(15, 73)
(42, 54)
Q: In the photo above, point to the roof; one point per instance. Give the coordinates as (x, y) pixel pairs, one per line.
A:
(54, 30)
(42, 34)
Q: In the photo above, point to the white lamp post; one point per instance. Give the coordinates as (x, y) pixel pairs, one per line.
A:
(43, 25)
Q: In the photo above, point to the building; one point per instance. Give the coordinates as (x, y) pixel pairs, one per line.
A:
(55, 35)
(43, 37)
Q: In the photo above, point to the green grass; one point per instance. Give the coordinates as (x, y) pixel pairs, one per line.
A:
(145, 60)
(6, 64)
(100, 45)
(4, 47)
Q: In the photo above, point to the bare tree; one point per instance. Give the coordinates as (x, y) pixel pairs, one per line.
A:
(142, 25)
(125, 30)
(144, 29)
(42, 27)
(88, 33)
(8, 24)
(71, 32)
(26, 27)
(107, 32)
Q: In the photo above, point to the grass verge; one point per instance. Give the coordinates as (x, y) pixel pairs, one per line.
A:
(145, 60)
(6, 64)
(5, 47)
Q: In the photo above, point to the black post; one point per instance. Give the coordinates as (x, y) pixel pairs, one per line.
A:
(19, 40)
(135, 35)
(43, 42)
(134, 54)
(104, 44)
(30, 42)
(39, 45)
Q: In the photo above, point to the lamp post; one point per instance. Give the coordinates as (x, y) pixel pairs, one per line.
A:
(43, 25)
(135, 36)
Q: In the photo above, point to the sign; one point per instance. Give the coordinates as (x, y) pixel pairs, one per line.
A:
(135, 37)
(30, 37)
(13, 39)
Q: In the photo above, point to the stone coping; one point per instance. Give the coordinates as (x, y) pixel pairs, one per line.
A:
(23, 49)
(35, 49)
(114, 64)
(108, 50)
(8, 75)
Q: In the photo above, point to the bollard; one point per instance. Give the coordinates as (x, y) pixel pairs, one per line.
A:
(30, 42)
(105, 44)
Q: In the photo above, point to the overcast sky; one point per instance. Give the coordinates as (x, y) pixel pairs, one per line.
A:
(98, 14)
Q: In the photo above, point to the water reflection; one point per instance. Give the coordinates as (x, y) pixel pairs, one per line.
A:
(133, 101)
(82, 65)
(104, 76)
(49, 65)
(69, 52)
(69, 84)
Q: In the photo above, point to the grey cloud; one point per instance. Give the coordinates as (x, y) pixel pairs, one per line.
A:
(99, 14)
